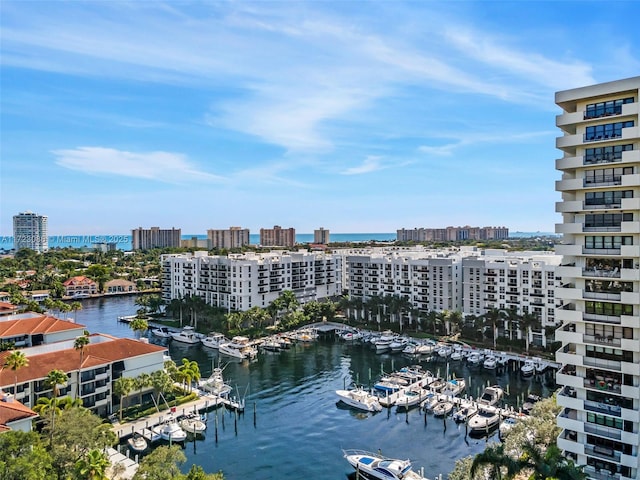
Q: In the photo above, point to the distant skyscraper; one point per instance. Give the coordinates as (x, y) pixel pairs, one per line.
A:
(277, 237)
(234, 237)
(30, 231)
(321, 236)
(155, 237)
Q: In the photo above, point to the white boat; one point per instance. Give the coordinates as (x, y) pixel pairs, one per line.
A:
(410, 397)
(456, 355)
(410, 349)
(445, 351)
(528, 404)
(474, 359)
(215, 384)
(238, 347)
(490, 362)
(360, 399)
(437, 385)
(305, 335)
(351, 335)
(491, 395)
(430, 402)
(383, 343)
(161, 332)
(137, 443)
(465, 413)
(485, 420)
(424, 349)
(390, 384)
(541, 366)
(172, 432)
(214, 339)
(397, 344)
(442, 408)
(454, 387)
(506, 425)
(187, 335)
(375, 466)
(192, 423)
(528, 368)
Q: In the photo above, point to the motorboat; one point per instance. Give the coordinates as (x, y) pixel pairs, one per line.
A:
(490, 362)
(187, 335)
(192, 423)
(390, 384)
(431, 401)
(491, 395)
(456, 354)
(474, 359)
(214, 339)
(442, 408)
(528, 404)
(271, 344)
(238, 347)
(360, 399)
(138, 443)
(375, 466)
(410, 397)
(398, 344)
(487, 419)
(305, 335)
(351, 335)
(410, 349)
(424, 349)
(437, 385)
(383, 343)
(415, 374)
(161, 332)
(541, 366)
(445, 351)
(454, 387)
(528, 368)
(506, 425)
(465, 413)
(215, 385)
(171, 431)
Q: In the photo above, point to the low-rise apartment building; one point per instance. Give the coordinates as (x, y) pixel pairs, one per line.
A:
(32, 329)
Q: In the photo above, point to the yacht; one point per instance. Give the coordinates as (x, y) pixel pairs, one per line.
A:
(454, 387)
(457, 353)
(215, 384)
(192, 423)
(530, 402)
(375, 466)
(431, 401)
(238, 347)
(383, 343)
(171, 431)
(528, 368)
(137, 443)
(214, 339)
(465, 413)
(410, 397)
(491, 396)
(187, 335)
(505, 426)
(351, 335)
(161, 332)
(442, 408)
(360, 399)
(490, 362)
(485, 420)
(474, 359)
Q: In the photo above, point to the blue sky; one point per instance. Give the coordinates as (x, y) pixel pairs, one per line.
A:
(354, 116)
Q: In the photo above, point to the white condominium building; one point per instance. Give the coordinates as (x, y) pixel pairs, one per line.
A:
(234, 237)
(242, 281)
(155, 237)
(600, 294)
(523, 282)
(30, 231)
(321, 236)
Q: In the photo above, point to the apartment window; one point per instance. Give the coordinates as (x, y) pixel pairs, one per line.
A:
(607, 242)
(605, 154)
(604, 420)
(606, 175)
(605, 353)
(607, 198)
(606, 219)
(610, 309)
(609, 130)
(604, 109)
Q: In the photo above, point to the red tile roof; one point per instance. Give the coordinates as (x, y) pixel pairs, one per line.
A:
(12, 411)
(31, 326)
(68, 360)
(79, 280)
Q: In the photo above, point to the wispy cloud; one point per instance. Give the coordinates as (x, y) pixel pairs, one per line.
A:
(159, 166)
(471, 138)
(370, 164)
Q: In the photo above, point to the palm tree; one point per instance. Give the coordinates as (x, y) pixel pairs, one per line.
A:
(93, 466)
(189, 371)
(122, 387)
(548, 463)
(79, 345)
(75, 306)
(528, 320)
(455, 320)
(15, 361)
(141, 382)
(162, 383)
(496, 460)
(54, 379)
(139, 325)
(493, 316)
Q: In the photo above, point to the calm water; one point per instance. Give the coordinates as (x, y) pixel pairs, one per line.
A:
(299, 428)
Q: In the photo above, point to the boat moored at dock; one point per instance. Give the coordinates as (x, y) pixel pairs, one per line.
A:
(375, 466)
(360, 399)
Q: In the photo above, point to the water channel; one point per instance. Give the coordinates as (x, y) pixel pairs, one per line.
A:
(294, 428)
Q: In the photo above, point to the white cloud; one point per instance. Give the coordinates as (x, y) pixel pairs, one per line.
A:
(160, 166)
(370, 164)
(474, 138)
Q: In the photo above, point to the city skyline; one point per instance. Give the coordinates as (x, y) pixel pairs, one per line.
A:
(359, 117)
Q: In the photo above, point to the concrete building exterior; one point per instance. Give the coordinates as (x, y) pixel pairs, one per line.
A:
(30, 231)
(600, 274)
(452, 234)
(241, 281)
(155, 237)
(277, 237)
(233, 237)
(321, 236)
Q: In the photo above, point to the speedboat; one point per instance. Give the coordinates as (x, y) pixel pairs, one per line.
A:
(485, 420)
(490, 362)
(474, 359)
(445, 351)
(528, 368)
(215, 384)
(437, 385)
(454, 387)
(187, 335)
(192, 423)
(383, 343)
(390, 384)
(172, 432)
(506, 425)
(214, 339)
(398, 344)
(375, 466)
(442, 408)
(491, 396)
(430, 402)
(424, 349)
(238, 347)
(465, 413)
(410, 397)
(360, 399)
(351, 336)
(271, 344)
(161, 332)
(530, 402)
(137, 443)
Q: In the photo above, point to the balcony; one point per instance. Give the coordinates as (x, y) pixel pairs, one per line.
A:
(608, 340)
(600, 451)
(602, 363)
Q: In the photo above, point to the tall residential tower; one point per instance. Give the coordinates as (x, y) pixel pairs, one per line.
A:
(30, 231)
(600, 278)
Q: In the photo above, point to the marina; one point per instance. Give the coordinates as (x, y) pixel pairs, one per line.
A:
(291, 405)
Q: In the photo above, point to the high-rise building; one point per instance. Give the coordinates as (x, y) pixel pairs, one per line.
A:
(277, 237)
(234, 237)
(321, 236)
(155, 237)
(30, 231)
(600, 278)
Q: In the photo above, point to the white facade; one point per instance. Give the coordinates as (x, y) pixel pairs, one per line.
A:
(242, 281)
(30, 231)
(600, 312)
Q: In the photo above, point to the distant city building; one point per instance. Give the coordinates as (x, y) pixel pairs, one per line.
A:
(30, 231)
(155, 237)
(242, 281)
(234, 237)
(321, 236)
(277, 237)
(452, 234)
(195, 242)
(80, 287)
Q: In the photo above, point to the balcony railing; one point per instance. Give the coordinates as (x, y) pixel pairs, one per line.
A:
(603, 431)
(602, 452)
(602, 363)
